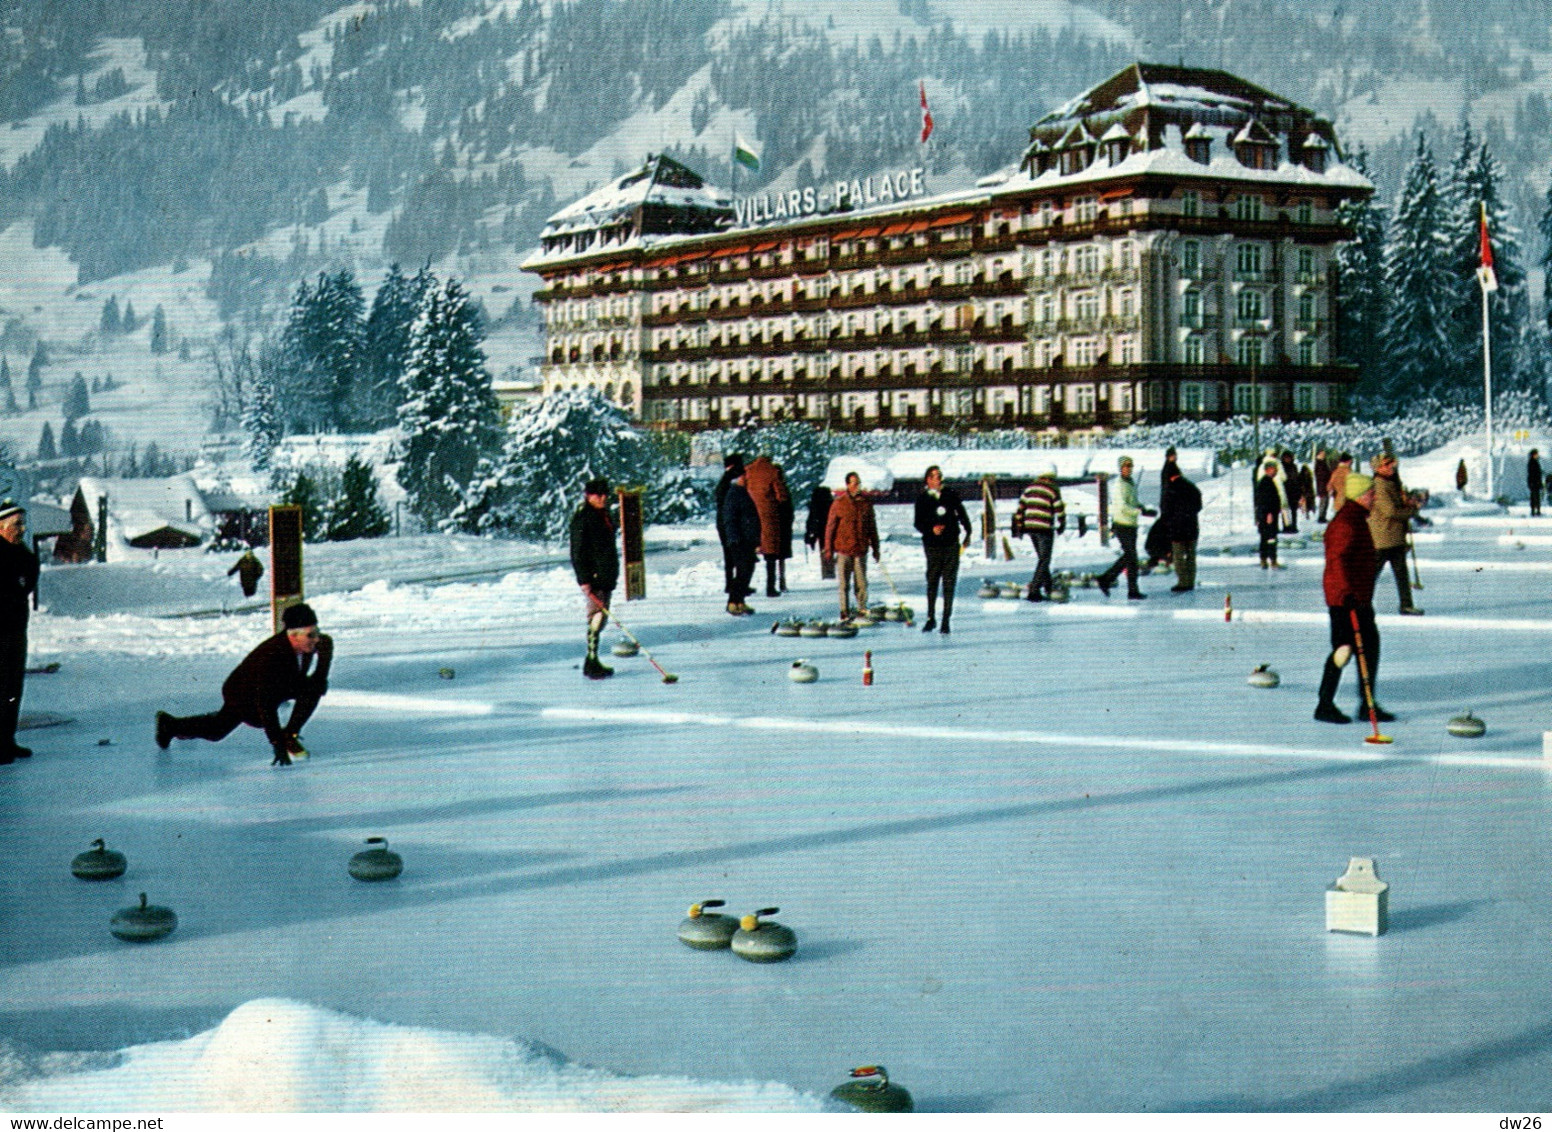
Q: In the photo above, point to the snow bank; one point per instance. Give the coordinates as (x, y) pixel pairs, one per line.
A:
(276, 1055)
(879, 471)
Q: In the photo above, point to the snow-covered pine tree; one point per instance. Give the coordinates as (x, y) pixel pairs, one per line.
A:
(260, 415)
(552, 448)
(357, 512)
(46, 449)
(1545, 227)
(1477, 180)
(801, 449)
(1419, 283)
(448, 417)
(78, 401)
(303, 493)
(1360, 264)
(322, 342)
(110, 316)
(67, 440)
(159, 331)
(385, 345)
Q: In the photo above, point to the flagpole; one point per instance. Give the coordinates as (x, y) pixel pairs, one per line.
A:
(1487, 386)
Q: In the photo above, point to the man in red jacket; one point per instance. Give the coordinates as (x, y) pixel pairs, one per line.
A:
(270, 675)
(1349, 584)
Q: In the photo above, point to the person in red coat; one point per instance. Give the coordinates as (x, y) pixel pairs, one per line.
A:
(280, 669)
(1351, 569)
(767, 486)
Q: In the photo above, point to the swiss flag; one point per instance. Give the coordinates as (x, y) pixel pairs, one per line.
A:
(926, 114)
(1485, 273)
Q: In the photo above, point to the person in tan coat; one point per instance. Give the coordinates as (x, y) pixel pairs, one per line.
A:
(767, 486)
(849, 534)
(1393, 509)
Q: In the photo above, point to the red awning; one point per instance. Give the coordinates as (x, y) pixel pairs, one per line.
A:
(867, 233)
(765, 247)
(1115, 194)
(955, 218)
(722, 253)
(894, 229)
(918, 226)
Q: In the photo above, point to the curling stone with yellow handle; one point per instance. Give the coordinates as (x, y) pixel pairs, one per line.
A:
(143, 924)
(377, 863)
(869, 1090)
(1263, 677)
(845, 630)
(625, 648)
(989, 589)
(707, 931)
(802, 672)
(763, 942)
(99, 863)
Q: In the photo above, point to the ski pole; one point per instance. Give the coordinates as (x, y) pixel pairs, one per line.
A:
(1363, 677)
(668, 677)
(1417, 580)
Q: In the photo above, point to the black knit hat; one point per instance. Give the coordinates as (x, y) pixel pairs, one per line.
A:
(597, 486)
(299, 616)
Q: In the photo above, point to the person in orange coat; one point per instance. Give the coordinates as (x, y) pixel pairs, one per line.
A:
(767, 486)
(849, 534)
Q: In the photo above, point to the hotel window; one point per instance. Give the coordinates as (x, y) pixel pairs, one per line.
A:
(1086, 260)
(1191, 259)
(1126, 350)
(1305, 212)
(1125, 255)
(1309, 353)
(1195, 351)
(1085, 210)
(1191, 397)
(1251, 398)
(1126, 304)
(1085, 306)
(963, 272)
(1121, 397)
(1304, 398)
(1190, 203)
(1191, 308)
(1252, 305)
(1047, 214)
(1247, 207)
(1084, 351)
(1250, 352)
(1123, 207)
(1307, 308)
(1081, 399)
(1247, 259)
(1306, 262)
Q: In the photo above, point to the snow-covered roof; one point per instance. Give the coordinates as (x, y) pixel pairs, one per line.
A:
(660, 180)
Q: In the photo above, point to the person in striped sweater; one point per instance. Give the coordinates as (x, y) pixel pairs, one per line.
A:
(1042, 516)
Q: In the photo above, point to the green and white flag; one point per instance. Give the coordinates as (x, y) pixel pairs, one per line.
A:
(745, 153)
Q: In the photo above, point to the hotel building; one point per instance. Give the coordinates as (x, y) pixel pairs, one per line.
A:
(1164, 250)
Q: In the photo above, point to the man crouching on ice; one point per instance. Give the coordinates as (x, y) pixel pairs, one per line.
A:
(271, 674)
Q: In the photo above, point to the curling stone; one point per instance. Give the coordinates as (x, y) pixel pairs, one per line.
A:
(864, 619)
(446, 673)
(1086, 581)
(707, 931)
(844, 629)
(989, 589)
(814, 629)
(625, 648)
(789, 628)
(1263, 677)
(1012, 590)
(99, 863)
(877, 612)
(1466, 726)
(377, 863)
(143, 924)
(1060, 595)
(761, 942)
(870, 1090)
(894, 613)
(802, 672)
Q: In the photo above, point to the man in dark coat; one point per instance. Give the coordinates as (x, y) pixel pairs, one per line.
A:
(276, 671)
(248, 570)
(596, 563)
(1533, 480)
(1323, 483)
(1351, 569)
(729, 462)
(18, 582)
(1290, 493)
(1179, 505)
(739, 521)
(940, 513)
(1269, 505)
(814, 529)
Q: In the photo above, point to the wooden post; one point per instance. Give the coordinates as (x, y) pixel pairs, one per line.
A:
(632, 544)
(100, 537)
(1104, 508)
(989, 516)
(285, 559)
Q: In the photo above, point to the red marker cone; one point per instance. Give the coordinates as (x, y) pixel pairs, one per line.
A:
(867, 669)
(1228, 607)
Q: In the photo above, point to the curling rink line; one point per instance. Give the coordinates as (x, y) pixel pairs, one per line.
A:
(408, 705)
(1388, 620)
(1360, 753)
(1461, 565)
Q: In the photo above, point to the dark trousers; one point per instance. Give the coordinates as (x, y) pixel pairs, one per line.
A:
(13, 673)
(1325, 501)
(1041, 582)
(728, 570)
(1535, 500)
(1185, 564)
(1342, 634)
(219, 724)
(1127, 537)
(1397, 557)
(743, 561)
(1268, 533)
(942, 566)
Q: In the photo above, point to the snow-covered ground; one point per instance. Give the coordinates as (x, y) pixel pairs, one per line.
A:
(1063, 859)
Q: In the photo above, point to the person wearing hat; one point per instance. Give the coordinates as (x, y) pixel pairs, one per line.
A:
(1351, 570)
(738, 521)
(291, 665)
(18, 581)
(596, 563)
(1123, 524)
(1390, 519)
(1533, 480)
(1042, 516)
(1269, 506)
(732, 468)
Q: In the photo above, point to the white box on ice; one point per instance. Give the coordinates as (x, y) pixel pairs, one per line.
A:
(1358, 901)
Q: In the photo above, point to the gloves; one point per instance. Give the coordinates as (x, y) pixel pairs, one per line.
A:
(282, 758)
